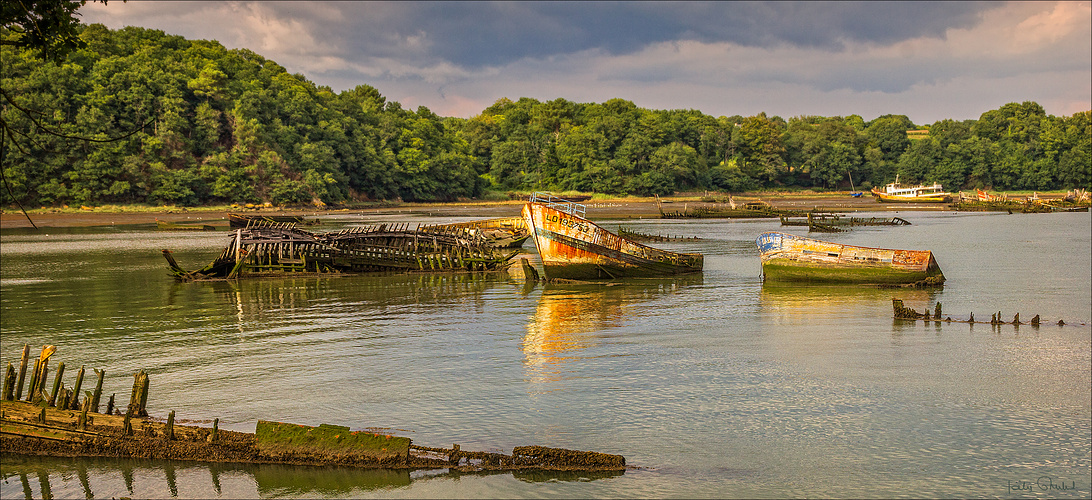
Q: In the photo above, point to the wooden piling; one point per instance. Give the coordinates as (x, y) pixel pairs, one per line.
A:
(170, 425)
(43, 376)
(75, 403)
(127, 424)
(82, 423)
(22, 372)
(34, 380)
(56, 384)
(98, 391)
(110, 405)
(215, 435)
(139, 398)
(9, 383)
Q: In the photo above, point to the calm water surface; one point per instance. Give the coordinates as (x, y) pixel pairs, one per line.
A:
(711, 386)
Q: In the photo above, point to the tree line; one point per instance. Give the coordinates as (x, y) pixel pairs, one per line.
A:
(139, 116)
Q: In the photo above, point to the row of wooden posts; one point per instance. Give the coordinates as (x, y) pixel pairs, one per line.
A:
(903, 312)
(63, 398)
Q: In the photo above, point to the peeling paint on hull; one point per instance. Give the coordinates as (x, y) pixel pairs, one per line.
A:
(572, 247)
(787, 257)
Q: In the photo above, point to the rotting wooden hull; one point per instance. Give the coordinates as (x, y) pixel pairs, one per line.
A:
(276, 248)
(572, 247)
(173, 226)
(503, 232)
(238, 221)
(787, 257)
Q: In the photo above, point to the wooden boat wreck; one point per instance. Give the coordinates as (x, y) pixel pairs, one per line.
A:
(66, 424)
(898, 193)
(633, 235)
(731, 210)
(504, 232)
(834, 223)
(572, 247)
(163, 225)
(788, 257)
(238, 221)
(986, 202)
(277, 248)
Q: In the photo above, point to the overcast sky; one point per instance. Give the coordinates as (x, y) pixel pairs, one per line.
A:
(928, 60)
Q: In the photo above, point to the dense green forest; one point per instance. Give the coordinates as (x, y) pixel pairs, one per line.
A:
(188, 122)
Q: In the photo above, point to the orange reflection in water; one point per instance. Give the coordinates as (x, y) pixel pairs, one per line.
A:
(569, 317)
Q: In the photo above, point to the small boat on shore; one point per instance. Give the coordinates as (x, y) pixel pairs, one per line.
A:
(572, 247)
(898, 193)
(788, 257)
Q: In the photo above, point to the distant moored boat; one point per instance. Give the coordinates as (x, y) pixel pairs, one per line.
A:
(898, 193)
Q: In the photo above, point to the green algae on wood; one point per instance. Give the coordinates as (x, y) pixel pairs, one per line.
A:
(278, 439)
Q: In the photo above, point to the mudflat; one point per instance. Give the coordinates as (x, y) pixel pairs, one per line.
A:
(618, 208)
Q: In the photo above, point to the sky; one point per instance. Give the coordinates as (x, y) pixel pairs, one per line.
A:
(927, 60)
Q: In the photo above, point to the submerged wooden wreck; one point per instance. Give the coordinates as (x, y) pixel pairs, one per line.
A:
(238, 221)
(572, 247)
(266, 248)
(163, 225)
(787, 257)
(60, 423)
(834, 223)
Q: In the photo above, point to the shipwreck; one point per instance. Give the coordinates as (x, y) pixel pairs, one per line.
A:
(573, 247)
(276, 248)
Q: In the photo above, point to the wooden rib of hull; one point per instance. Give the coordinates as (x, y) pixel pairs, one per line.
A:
(787, 257)
(503, 232)
(572, 247)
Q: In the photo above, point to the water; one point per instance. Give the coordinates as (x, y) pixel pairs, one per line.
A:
(711, 386)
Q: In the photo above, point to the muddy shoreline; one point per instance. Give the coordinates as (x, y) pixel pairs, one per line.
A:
(620, 208)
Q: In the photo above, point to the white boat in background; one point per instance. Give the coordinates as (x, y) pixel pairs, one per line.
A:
(898, 193)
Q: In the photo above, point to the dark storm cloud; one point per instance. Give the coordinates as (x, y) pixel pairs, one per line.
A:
(474, 34)
(931, 59)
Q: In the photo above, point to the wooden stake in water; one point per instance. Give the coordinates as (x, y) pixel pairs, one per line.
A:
(139, 398)
(82, 424)
(75, 403)
(56, 384)
(22, 372)
(9, 383)
(98, 391)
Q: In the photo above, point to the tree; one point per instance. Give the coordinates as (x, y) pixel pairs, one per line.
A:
(47, 26)
(761, 147)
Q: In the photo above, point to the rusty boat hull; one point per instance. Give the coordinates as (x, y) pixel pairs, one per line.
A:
(788, 257)
(572, 247)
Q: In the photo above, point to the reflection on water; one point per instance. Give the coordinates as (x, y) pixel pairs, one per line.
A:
(259, 300)
(789, 298)
(568, 316)
(813, 391)
(33, 477)
(40, 477)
